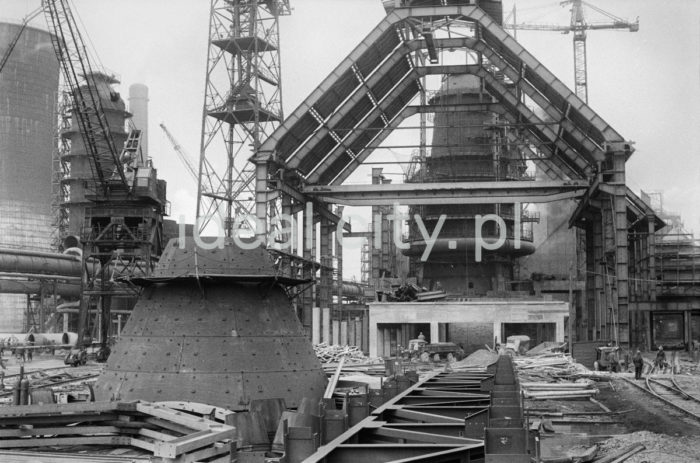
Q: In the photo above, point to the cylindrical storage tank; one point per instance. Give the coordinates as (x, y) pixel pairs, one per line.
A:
(28, 90)
(138, 107)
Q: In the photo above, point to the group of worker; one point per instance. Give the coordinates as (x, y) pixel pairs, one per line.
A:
(638, 361)
(21, 353)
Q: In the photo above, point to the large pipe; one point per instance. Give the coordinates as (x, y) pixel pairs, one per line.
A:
(34, 287)
(48, 339)
(351, 289)
(44, 263)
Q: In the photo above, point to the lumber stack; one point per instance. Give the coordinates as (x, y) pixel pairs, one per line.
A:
(167, 434)
(333, 353)
(552, 375)
(581, 389)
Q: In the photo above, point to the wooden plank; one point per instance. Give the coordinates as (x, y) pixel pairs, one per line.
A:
(63, 430)
(170, 426)
(55, 419)
(23, 456)
(156, 435)
(221, 414)
(334, 381)
(174, 416)
(142, 444)
(193, 441)
(90, 440)
(76, 408)
(218, 449)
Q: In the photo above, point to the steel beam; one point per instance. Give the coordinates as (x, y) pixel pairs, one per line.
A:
(453, 192)
(302, 199)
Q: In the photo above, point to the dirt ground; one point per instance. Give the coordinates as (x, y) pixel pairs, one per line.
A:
(668, 435)
(643, 413)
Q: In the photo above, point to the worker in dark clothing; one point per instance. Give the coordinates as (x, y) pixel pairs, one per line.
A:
(660, 359)
(638, 361)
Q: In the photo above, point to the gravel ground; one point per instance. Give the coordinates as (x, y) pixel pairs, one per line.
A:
(668, 435)
(660, 448)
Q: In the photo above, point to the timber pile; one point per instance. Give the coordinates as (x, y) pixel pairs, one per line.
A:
(163, 433)
(553, 375)
(580, 389)
(333, 354)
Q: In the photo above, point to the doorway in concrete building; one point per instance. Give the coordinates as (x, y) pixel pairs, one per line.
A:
(537, 332)
(392, 337)
(470, 337)
(668, 330)
(695, 328)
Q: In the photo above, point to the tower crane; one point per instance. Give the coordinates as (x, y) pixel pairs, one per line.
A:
(181, 153)
(580, 26)
(209, 181)
(121, 230)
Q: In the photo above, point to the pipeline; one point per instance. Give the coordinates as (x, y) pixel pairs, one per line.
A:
(74, 307)
(41, 263)
(34, 287)
(63, 339)
(351, 289)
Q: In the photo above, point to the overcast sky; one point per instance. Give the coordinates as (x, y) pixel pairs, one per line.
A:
(645, 84)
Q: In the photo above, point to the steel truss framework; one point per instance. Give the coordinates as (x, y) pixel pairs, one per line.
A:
(380, 85)
(242, 104)
(448, 417)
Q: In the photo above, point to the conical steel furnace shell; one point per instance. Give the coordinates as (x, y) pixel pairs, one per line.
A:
(213, 341)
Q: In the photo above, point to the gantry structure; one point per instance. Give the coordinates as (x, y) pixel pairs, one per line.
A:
(382, 84)
(242, 104)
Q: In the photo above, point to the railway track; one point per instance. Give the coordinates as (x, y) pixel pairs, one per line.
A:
(672, 392)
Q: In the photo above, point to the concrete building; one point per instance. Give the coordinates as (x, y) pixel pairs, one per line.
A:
(470, 324)
(29, 86)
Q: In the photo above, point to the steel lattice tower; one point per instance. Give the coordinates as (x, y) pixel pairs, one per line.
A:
(242, 104)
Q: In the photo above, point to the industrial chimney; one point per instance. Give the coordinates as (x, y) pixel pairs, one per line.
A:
(138, 107)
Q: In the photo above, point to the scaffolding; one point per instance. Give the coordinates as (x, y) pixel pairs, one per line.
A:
(242, 105)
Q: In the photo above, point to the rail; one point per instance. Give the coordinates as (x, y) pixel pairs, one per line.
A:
(675, 388)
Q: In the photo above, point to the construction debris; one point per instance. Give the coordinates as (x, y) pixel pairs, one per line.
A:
(648, 446)
(546, 347)
(412, 292)
(163, 432)
(582, 388)
(334, 353)
(480, 358)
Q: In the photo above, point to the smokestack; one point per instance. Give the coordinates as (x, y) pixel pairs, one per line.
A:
(138, 106)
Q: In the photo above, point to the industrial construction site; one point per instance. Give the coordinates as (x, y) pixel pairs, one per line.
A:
(468, 238)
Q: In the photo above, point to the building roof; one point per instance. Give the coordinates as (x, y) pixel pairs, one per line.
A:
(375, 87)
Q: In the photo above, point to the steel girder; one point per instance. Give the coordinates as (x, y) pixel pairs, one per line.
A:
(432, 421)
(449, 417)
(449, 192)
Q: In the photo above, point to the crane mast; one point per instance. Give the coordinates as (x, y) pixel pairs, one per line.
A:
(580, 27)
(180, 153)
(242, 104)
(87, 105)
